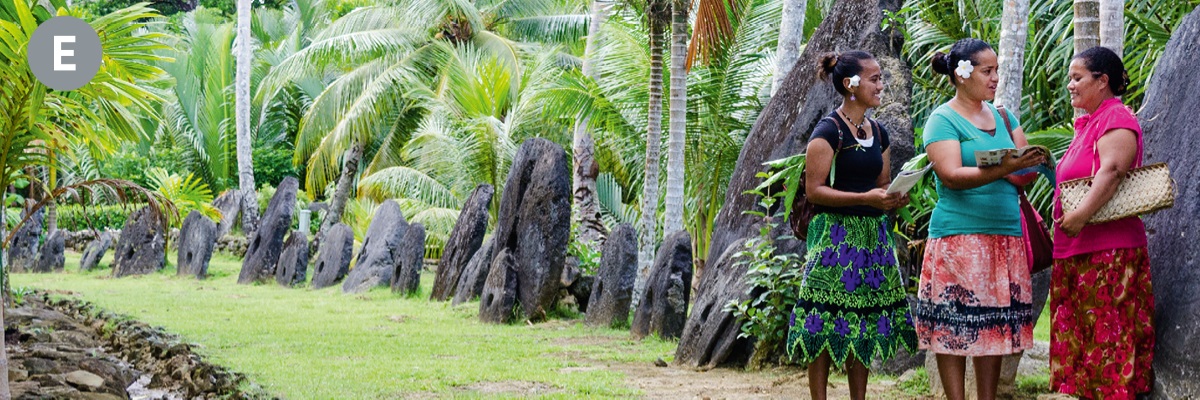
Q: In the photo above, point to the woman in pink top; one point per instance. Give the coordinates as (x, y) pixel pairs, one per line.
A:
(1102, 340)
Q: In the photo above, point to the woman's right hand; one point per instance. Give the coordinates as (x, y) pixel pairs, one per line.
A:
(880, 199)
(1014, 164)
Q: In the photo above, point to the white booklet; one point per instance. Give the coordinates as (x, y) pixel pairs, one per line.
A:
(907, 179)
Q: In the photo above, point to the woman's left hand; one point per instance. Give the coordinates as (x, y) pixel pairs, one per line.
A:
(902, 200)
(1071, 223)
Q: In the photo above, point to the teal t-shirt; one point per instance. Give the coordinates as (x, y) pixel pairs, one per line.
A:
(991, 209)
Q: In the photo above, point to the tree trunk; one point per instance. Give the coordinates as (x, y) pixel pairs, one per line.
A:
(591, 228)
(677, 132)
(345, 186)
(648, 237)
(791, 33)
(52, 205)
(1087, 24)
(1112, 25)
(1014, 27)
(242, 98)
(1087, 29)
(5, 391)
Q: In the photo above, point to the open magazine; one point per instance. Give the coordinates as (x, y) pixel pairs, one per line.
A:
(987, 158)
(907, 179)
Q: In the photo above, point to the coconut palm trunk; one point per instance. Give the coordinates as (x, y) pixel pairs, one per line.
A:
(1112, 25)
(677, 131)
(648, 238)
(242, 116)
(345, 185)
(1014, 30)
(591, 228)
(791, 33)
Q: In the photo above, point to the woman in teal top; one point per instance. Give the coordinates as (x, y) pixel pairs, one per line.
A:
(974, 298)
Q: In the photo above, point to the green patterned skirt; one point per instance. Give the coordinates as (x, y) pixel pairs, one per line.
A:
(852, 299)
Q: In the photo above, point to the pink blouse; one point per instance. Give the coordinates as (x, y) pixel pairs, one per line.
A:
(1081, 161)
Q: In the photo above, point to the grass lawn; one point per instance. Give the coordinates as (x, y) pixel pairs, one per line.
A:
(322, 344)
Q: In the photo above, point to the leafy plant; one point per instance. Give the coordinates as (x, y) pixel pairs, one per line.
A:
(773, 278)
(186, 192)
(588, 255)
(76, 217)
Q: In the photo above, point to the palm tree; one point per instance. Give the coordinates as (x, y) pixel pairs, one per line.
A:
(1112, 25)
(1014, 26)
(245, 45)
(677, 132)
(726, 88)
(658, 11)
(791, 33)
(591, 228)
(388, 70)
(36, 122)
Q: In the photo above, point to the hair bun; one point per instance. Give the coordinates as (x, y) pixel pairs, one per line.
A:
(828, 62)
(941, 63)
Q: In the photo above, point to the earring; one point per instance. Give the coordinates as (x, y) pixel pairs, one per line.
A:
(852, 98)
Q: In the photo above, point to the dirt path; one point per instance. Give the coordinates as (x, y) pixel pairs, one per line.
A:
(675, 383)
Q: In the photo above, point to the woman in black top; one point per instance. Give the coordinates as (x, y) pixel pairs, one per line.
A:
(852, 306)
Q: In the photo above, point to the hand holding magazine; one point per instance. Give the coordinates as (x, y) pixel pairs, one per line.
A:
(988, 158)
(907, 179)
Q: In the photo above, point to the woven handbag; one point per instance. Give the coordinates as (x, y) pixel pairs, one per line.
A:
(1144, 190)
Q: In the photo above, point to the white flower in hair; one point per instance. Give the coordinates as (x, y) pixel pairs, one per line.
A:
(854, 80)
(964, 69)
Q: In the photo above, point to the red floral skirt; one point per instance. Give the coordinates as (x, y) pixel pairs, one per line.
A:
(1102, 341)
(974, 298)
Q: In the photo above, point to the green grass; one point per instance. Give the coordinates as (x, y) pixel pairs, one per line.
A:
(322, 344)
(1041, 331)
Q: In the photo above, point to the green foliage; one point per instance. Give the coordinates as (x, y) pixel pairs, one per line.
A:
(18, 294)
(588, 255)
(186, 192)
(272, 163)
(787, 170)
(935, 25)
(773, 279)
(75, 217)
(918, 385)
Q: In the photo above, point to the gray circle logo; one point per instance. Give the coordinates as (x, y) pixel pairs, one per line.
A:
(64, 53)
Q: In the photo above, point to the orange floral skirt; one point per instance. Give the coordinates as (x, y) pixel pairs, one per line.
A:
(1102, 341)
(975, 298)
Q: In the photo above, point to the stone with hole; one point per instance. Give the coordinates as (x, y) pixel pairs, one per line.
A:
(498, 301)
(266, 243)
(380, 250)
(23, 251)
(470, 281)
(197, 238)
(293, 263)
(333, 259)
(51, 258)
(663, 307)
(612, 291)
(94, 252)
(407, 277)
(141, 248)
(464, 241)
